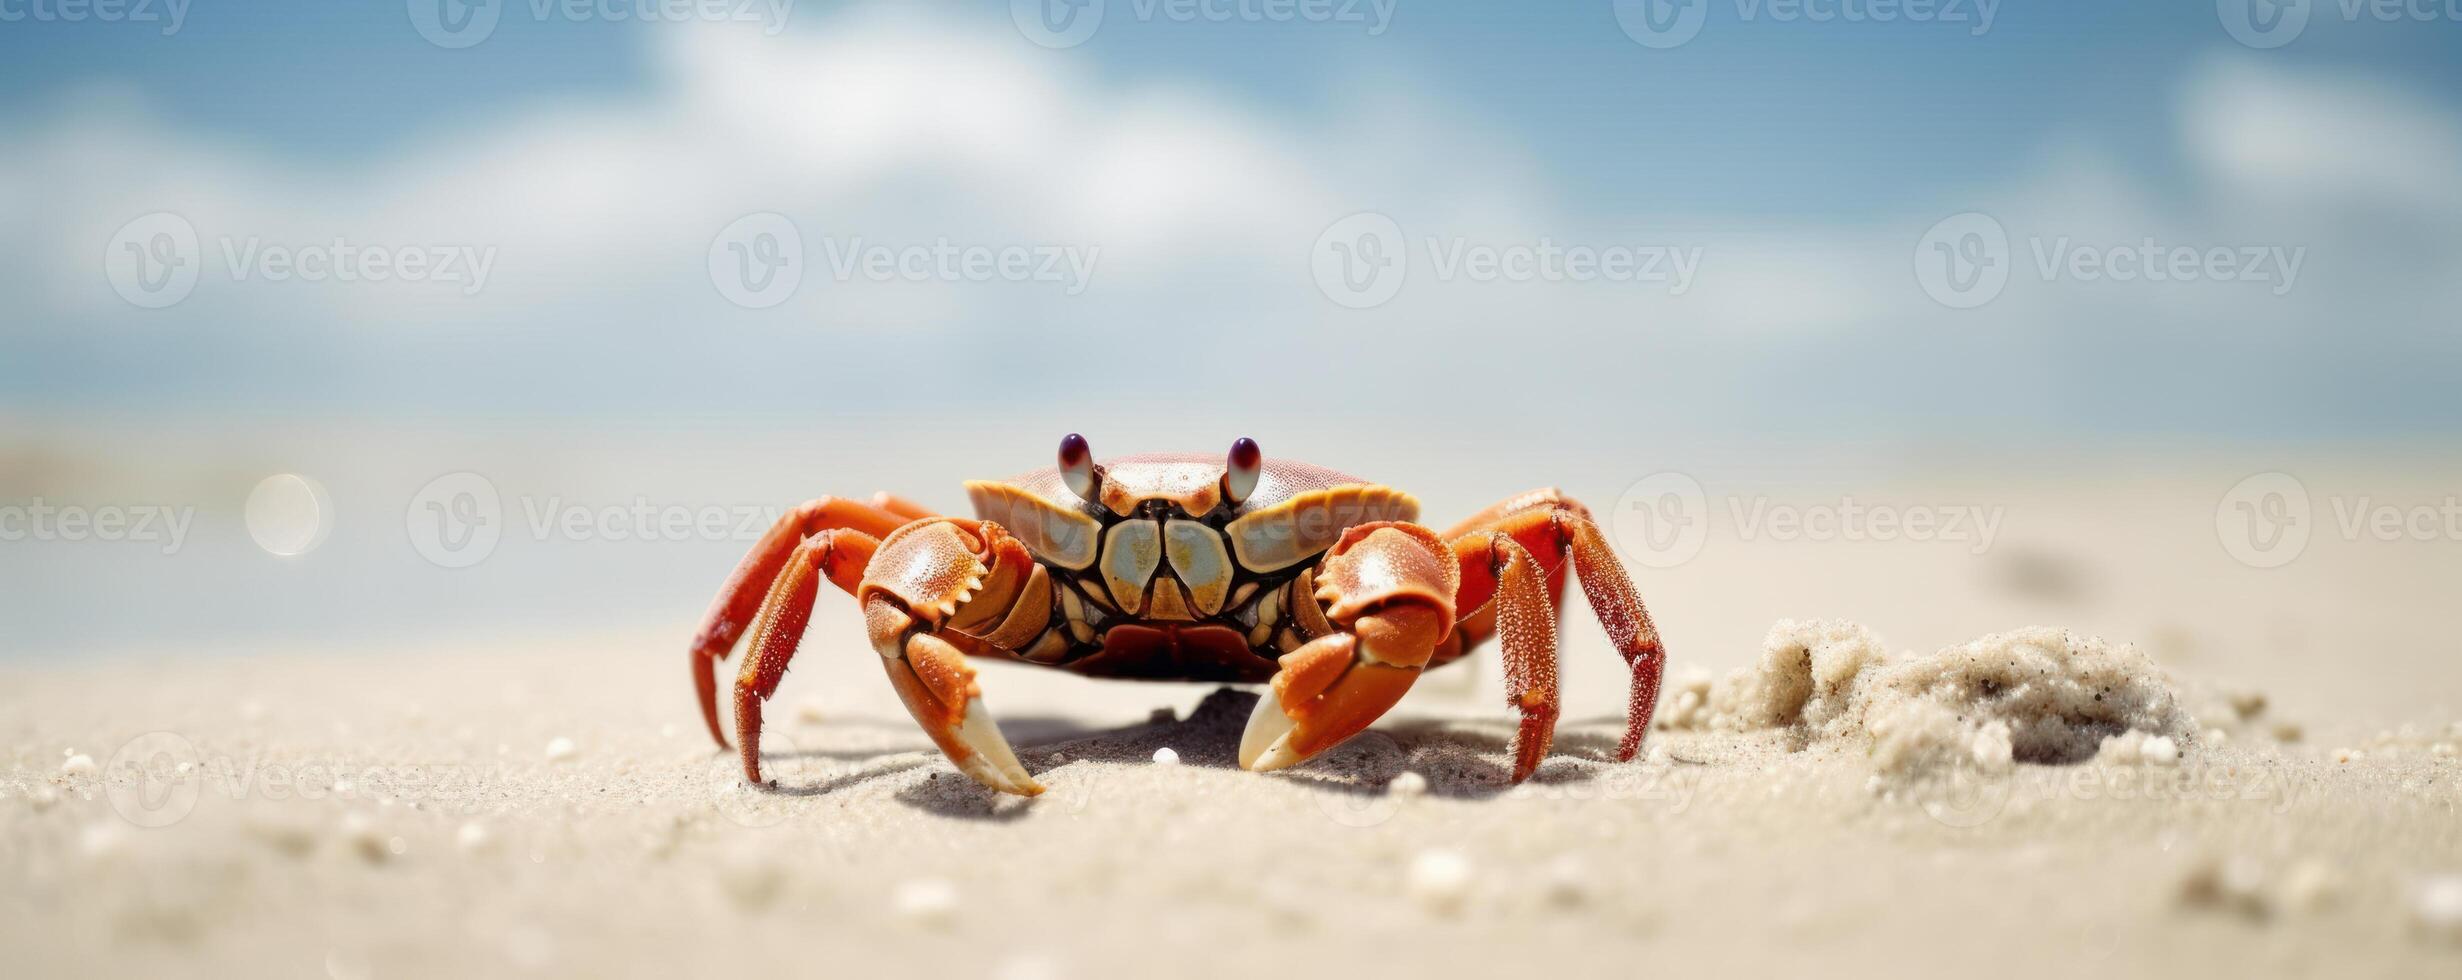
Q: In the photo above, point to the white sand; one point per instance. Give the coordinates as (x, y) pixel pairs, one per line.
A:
(520, 812)
(547, 805)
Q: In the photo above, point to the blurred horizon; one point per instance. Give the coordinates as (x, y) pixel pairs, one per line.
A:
(1979, 254)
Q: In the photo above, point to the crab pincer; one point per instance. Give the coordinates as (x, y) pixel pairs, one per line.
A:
(1387, 591)
(930, 580)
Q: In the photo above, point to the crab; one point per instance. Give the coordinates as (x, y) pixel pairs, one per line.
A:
(1317, 584)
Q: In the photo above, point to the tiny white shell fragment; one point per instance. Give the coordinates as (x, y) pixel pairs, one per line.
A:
(1440, 881)
(2436, 907)
(1166, 757)
(1407, 785)
(79, 764)
(926, 901)
(561, 749)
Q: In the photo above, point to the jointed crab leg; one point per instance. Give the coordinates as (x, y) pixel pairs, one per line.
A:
(1526, 624)
(745, 591)
(1387, 588)
(1557, 530)
(840, 556)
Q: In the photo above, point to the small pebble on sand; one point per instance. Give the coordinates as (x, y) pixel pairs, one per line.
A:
(1166, 757)
(1568, 883)
(2436, 908)
(930, 902)
(473, 836)
(361, 835)
(2310, 886)
(561, 749)
(2160, 751)
(102, 841)
(1440, 881)
(2349, 755)
(1407, 785)
(78, 764)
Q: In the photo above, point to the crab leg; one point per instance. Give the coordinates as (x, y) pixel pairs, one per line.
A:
(935, 580)
(839, 555)
(747, 589)
(1556, 530)
(1526, 622)
(1387, 589)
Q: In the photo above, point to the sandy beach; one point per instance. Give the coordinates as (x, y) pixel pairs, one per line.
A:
(551, 806)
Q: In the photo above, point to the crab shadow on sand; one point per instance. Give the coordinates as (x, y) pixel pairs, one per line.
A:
(1458, 758)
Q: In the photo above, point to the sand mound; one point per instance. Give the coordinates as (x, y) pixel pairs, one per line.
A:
(2037, 695)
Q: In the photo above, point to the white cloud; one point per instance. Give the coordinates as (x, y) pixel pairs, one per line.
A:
(896, 132)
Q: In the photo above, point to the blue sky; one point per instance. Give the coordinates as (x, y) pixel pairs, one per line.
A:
(1806, 158)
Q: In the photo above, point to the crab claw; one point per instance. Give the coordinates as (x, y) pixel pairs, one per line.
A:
(1387, 588)
(939, 689)
(1324, 693)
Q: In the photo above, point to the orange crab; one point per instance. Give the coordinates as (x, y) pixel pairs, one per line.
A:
(1180, 567)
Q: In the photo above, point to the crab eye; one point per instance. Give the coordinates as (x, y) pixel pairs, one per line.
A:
(1077, 467)
(1239, 477)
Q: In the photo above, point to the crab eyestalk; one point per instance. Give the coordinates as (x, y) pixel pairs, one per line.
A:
(1239, 473)
(1077, 468)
